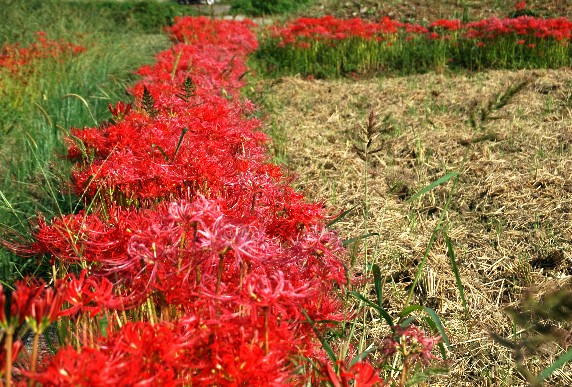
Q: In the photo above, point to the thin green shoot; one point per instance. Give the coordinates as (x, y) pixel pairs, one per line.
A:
(451, 254)
(437, 228)
(84, 103)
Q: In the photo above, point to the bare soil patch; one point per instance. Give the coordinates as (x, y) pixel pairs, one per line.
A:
(509, 134)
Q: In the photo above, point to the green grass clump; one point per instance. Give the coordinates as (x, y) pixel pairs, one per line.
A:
(265, 7)
(22, 18)
(38, 109)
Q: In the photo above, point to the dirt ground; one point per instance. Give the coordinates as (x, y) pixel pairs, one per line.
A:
(508, 134)
(429, 10)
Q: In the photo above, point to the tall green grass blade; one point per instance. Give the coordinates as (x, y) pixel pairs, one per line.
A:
(362, 356)
(85, 104)
(433, 327)
(176, 64)
(78, 142)
(8, 204)
(103, 324)
(325, 344)
(410, 309)
(45, 114)
(441, 180)
(439, 325)
(48, 339)
(185, 130)
(405, 323)
(451, 254)
(341, 216)
(436, 230)
(378, 284)
(382, 312)
(155, 146)
(565, 358)
(347, 242)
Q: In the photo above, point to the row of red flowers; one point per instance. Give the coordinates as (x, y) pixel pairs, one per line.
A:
(201, 259)
(303, 30)
(20, 60)
(195, 262)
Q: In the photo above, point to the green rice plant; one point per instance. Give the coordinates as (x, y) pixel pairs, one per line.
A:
(511, 52)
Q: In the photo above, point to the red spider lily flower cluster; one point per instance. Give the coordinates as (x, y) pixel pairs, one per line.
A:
(31, 301)
(326, 28)
(559, 29)
(31, 304)
(20, 60)
(328, 46)
(301, 32)
(412, 343)
(520, 6)
(194, 232)
(178, 251)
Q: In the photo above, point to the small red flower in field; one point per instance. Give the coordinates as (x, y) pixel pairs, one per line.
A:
(412, 343)
(120, 110)
(520, 6)
(451, 25)
(433, 35)
(480, 44)
(520, 41)
(20, 60)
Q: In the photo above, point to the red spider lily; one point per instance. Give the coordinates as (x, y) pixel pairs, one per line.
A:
(520, 6)
(71, 368)
(450, 25)
(304, 30)
(412, 343)
(120, 110)
(242, 354)
(140, 354)
(558, 29)
(188, 352)
(86, 295)
(360, 374)
(237, 36)
(27, 292)
(274, 294)
(45, 309)
(150, 353)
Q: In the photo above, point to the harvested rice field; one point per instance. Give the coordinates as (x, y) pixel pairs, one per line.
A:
(371, 144)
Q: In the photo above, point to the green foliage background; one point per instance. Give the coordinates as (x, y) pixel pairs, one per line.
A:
(266, 7)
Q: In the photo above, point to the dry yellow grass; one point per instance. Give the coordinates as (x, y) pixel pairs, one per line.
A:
(429, 10)
(510, 218)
